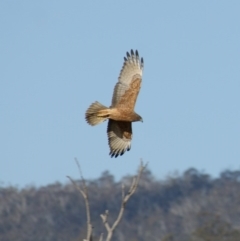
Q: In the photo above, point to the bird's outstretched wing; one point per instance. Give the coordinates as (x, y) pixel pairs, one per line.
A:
(119, 137)
(129, 82)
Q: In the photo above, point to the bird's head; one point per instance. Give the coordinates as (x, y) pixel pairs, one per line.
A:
(138, 118)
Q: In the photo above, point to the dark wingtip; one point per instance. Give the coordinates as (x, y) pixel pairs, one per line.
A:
(118, 153)
(132, 53)
(113, 154)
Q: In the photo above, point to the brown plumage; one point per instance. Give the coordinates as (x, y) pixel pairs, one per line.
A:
(121, 113)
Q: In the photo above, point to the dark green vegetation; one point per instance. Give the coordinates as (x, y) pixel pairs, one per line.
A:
(188, 207)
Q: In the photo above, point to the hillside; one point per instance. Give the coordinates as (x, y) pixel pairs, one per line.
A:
(188, 207)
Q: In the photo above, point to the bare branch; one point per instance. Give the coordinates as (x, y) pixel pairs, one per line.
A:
(125, 199)
(105, 221)
(101, 237)
(84, 193)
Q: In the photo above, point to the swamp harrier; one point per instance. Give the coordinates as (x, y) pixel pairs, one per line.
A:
(121, 113)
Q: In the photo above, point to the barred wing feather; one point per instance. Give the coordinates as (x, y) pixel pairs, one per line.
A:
(129, 82)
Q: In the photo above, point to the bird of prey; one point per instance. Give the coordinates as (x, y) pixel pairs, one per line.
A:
(121, 113)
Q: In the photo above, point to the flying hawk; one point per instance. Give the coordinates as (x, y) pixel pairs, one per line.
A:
(121, 113)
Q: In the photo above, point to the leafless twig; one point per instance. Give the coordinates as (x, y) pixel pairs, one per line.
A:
(84, 193)
(125, 199)
(101, 237)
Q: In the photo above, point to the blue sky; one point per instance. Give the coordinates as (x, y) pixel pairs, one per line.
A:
(57, 57)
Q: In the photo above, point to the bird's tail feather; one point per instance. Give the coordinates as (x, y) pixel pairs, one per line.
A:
(96, 113)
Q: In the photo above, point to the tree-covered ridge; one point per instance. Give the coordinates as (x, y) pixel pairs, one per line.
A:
(188, 207)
